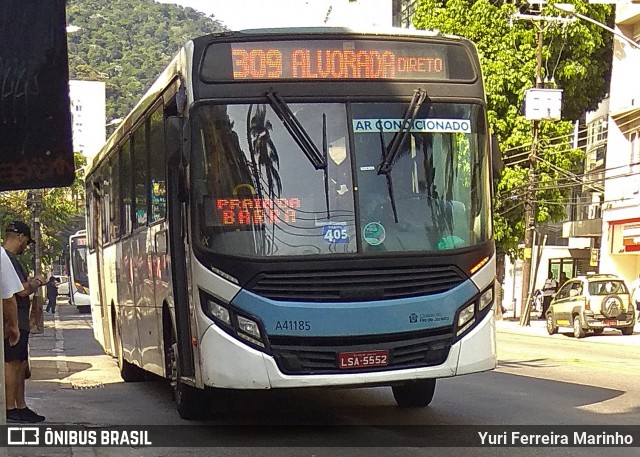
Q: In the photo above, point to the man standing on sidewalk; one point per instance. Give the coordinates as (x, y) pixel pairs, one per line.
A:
(635, 295)
(9, 285)
(17, 239)
(548, 290)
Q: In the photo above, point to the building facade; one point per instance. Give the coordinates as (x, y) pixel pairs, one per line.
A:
(620, 246)
(88, 111)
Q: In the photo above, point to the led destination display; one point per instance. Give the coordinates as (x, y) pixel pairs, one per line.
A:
(337, 60)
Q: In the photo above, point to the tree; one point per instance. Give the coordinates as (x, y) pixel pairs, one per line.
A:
(127, 43)
(576, 58)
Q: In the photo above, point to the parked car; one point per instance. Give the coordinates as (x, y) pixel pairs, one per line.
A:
(592, 303)
(63, 287)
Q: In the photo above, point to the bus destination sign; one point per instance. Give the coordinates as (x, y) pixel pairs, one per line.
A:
(342, 60)
(337, 60)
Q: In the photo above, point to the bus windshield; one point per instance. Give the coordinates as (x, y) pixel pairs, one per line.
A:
(78, 255)
(256, 193)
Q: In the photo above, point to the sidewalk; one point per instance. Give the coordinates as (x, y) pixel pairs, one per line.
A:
(538, 327)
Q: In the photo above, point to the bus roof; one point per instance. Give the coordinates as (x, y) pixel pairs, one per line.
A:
(318, 31)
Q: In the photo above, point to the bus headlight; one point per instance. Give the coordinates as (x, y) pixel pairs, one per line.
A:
(485, 299)
(233, 321)
(474, 312)
(249, 330)
(219, 312)
(466, 314)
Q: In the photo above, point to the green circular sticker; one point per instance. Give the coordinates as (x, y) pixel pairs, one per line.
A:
(374, 233)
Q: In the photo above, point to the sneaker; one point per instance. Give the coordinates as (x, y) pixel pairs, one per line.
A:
(30, 416)
(13, 416)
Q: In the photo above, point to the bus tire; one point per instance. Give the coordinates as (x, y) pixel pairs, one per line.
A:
(192, 403)
(414, 394)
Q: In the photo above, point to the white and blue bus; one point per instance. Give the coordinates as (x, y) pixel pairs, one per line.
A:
(299, 208)
(79, 272)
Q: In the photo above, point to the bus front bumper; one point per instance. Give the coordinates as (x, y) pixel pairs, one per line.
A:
(228, 363)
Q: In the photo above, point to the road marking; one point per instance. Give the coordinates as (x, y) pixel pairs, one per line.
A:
(509, 357)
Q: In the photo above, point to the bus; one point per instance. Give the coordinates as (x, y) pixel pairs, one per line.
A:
(290, 208)
(78, 272)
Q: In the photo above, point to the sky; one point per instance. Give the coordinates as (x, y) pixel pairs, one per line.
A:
(246, 14)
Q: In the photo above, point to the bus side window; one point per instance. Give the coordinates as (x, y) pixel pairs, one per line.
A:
(127, 191)
(140, 176)
(157, 166)
(105, 205)
(114, 223)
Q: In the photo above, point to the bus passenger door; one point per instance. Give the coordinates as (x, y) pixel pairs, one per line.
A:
(99, 316)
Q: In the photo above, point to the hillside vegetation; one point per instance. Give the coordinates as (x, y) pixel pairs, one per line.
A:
(127, 43)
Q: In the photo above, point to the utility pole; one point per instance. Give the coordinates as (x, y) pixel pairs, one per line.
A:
(36, 304)
(37, 232)
(541, 22)
(530, 196)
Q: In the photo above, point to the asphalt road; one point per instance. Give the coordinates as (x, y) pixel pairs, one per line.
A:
(541, 379)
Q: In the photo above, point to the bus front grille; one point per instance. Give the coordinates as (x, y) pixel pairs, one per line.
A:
(355, 284)
(300, 356)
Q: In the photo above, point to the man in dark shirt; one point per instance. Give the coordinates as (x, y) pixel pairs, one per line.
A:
(16, 240)
(52, 294)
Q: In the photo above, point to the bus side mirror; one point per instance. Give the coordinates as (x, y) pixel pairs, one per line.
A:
(497, 165)
(174, 141)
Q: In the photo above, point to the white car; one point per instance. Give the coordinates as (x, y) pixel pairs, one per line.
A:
(63, 287)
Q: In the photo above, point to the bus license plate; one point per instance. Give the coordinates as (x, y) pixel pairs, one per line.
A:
(363, 359)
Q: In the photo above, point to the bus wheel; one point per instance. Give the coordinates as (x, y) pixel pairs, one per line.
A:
(191, 403)
(415, 394)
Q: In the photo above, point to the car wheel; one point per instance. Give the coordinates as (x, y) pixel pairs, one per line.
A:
(552, 328)
(578, 331)
(627, 330)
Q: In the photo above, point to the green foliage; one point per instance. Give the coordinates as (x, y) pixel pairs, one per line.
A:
(575, 58)
(127, 43)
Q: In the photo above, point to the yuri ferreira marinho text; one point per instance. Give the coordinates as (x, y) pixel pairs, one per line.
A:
(514, 438)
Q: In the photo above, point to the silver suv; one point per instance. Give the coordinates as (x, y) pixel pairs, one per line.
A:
(592, 302)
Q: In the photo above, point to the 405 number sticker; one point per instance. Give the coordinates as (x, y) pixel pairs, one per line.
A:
(335, 234)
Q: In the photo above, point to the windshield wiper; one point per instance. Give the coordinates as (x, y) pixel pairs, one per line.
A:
(391, 152)
(302, 138)
(297, 131)
(325, 155)
(389, 181)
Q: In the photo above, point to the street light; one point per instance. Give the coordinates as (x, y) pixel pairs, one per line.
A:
(570, 8)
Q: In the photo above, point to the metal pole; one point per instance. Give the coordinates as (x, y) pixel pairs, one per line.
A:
(529, 203)
(37, 236)
(3, 400)
(36, 304)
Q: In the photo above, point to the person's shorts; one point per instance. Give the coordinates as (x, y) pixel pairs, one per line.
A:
(18, 352)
